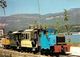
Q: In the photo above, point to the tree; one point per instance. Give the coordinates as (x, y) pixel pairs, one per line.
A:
(66, 19)
(65, 15)
(63, 25)
(58, 26)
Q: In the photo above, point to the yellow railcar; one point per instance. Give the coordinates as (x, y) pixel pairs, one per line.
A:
(5, 42)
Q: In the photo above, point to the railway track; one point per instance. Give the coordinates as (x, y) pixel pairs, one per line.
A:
(14, 53)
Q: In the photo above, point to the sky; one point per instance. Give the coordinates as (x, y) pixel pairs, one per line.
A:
(31, 6)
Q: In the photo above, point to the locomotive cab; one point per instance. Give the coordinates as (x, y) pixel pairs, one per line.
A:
(61, 46)
(15, 39)
(60, 39)
(28, 40)
(27, 37)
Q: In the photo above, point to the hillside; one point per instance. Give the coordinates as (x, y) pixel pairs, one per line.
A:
(21, 21)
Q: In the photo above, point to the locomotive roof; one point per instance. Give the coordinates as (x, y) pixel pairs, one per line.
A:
(60, 35)
(28, 30)
(16, 32)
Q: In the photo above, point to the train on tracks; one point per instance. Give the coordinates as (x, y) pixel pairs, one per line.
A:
(36, 40)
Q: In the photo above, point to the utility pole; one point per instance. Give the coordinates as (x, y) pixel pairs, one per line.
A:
(39, 11)
(39, 18)
(3, 5)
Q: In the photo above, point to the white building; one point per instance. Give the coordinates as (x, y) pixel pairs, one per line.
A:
(1, 31)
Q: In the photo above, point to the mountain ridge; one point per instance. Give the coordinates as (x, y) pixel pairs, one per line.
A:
(21, 21)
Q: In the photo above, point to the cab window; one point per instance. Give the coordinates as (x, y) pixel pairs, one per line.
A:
(26, 36)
